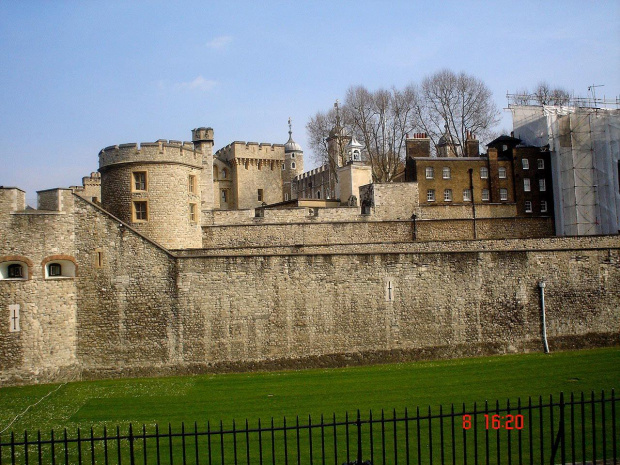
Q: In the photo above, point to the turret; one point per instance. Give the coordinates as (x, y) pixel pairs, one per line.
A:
(154, 187)
(293, 163)
(203, 143)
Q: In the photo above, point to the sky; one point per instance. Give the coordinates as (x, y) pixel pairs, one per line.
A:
(76, 77)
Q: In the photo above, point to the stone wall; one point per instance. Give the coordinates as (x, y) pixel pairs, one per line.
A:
(126, 295)
(318, 307)
(44, 347)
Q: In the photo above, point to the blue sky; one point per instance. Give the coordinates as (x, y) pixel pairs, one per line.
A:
(79, 76)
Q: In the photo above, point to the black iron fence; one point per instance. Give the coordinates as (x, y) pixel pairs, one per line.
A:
(578, 430)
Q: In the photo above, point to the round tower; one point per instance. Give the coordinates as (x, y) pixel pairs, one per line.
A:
(293, 163)
(155, 188)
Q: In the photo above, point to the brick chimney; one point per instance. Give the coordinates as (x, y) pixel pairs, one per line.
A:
(419, 145)
(472, 145)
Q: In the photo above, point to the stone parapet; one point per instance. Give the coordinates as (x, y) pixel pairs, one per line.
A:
(161, 151)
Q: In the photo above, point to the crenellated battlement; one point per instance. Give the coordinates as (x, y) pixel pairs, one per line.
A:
(160, 151)
(258, 150)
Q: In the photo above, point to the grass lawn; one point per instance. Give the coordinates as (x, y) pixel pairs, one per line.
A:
(290, 393)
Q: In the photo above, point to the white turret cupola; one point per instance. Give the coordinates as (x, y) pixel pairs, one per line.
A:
(293, 164)
(354, 150)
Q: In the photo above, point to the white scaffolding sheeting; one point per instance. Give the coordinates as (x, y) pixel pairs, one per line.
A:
(584, 145)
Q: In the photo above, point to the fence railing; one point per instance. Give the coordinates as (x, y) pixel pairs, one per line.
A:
(578, 429)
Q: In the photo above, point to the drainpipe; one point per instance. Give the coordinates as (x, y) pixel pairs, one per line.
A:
(473, 201)
(542, 286)
(415, 229)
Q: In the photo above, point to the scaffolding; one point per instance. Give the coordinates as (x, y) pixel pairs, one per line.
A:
(584, 143)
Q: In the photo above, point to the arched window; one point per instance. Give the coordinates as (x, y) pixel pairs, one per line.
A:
(224, 173)
(318, 194)
(59, 266)
(215, 172)
(15, 267)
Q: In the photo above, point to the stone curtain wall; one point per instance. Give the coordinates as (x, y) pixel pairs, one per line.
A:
(448, 304)
(127, 307)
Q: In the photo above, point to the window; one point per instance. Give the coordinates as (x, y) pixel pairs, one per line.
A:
(283, 166)
(98, 259)
(541, 164)
(286, 197)
(260, 195)
(318, 194)
(292, 155)
(466, 195)
(54, 269)
(430, 172)
(191, 184)
(430, 195)
(446, 173)
(526, 184)
(542, 185)
(192, 212)
(15, 271)
(224, 195)
(224, 173)
(528, 206)
(139, 180)
(484, 172)
(543, 206)
(140, 211)
(485, 195)
(503, 194)
(502, 172)
(525, 163)
(293, 165)
(447, 195)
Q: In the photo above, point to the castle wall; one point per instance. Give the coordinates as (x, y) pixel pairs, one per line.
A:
(126, 295)
(44, 347)
(319, 307)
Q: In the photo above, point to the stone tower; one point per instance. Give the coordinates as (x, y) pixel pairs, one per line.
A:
(155, 188)
(203, 144)
(293, 163)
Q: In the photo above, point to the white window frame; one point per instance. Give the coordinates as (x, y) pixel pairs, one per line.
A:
(503, 194)
(541, 164)
(543, 206)
(447, 195)
(542, 185)
(525, 163)
(430, 195)
(502, 172)
(466, 195)
(485, 195)
(484, 172)
(430, 172)
(528, 206)
(446, 172)
(527, 185)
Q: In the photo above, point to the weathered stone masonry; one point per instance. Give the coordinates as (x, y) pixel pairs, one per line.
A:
(146, 311)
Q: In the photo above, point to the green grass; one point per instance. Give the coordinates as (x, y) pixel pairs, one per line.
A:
(290, 393)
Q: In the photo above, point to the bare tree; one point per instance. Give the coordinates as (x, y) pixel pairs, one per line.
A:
(456, 104)
(381, 120)
(318, 130)
(545, 95)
